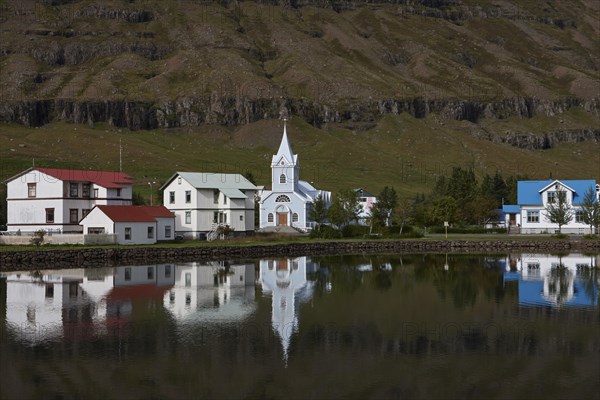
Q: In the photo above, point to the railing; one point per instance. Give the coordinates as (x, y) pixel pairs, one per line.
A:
(214, 232)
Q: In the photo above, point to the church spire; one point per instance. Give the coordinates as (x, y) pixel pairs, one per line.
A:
(285, 149)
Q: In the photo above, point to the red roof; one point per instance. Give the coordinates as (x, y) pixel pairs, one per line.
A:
(107, 179)
(135, 213)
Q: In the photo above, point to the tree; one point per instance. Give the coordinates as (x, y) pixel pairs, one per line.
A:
(405, 212)
(248, 175)
(137, 199)
(559, 211)
(386, 203)
(590, 209)
(344, 208)
(484, 209)
(318, 211)
(440, 210)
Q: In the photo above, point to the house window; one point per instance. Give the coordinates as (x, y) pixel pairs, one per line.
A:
(295, 217)
(49, 215)
(150, 232)
(73, 190)
(85, 212)
(215, 196)
(118, 192)
(241, 217)
(533, 216)
(363, 199)
(31, 189)
(282, 199)
(188, 217)
(224, 199)
(179, 180)
(168, 231)
(95, 193)
(85, 190)
(171, 197)
(282, 178)
(128, 233)
(188, 279)
(215, 217)
(270, 217)
(128, 274)
(188, 196)
(551, 197)
(579, 216)
(167, 271)
(95, 230)
(73, 215)
(150, 273)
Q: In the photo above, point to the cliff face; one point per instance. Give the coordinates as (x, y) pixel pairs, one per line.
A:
(154, 64)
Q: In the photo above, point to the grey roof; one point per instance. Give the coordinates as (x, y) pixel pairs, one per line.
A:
(209, 180)
(363, 193)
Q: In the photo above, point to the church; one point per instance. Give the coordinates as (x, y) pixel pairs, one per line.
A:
(289, 201)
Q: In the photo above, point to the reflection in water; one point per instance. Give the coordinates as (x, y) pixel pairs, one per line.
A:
(285, 279)
(376, 326)
(567, 280)
(211, 292)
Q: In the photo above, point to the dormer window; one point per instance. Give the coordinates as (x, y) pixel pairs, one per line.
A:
(551, 197)
(282, 178)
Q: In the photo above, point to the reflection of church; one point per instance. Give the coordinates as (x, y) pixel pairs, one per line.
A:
(286, 280)
(556, 281)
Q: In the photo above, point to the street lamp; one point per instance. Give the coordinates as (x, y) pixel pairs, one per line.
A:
(151, 192)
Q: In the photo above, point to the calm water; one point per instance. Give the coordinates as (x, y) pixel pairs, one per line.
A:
(411, 326)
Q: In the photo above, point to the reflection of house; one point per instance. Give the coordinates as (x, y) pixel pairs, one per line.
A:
(211, 292)
(545, 279)
(367, 201)
(534, 197)
(49, 304)
(285, 279)
(131, 224)
(289, 201)
(56, 199)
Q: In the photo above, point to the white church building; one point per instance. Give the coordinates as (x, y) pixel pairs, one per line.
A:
(289, 201)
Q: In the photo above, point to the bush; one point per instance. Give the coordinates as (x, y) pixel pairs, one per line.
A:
(38, 237)
(350, 231)
(325, 232)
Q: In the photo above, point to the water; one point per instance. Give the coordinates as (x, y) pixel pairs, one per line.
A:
(410, 326)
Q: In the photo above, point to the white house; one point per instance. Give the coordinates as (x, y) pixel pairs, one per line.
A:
(202, 201)
(131, 224)
(56, 199)
(533, 197)
(289, 201)
(366, 201)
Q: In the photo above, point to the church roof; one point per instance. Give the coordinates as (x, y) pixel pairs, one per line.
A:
(285, 150)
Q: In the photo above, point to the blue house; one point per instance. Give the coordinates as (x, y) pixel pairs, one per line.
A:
(530, 215)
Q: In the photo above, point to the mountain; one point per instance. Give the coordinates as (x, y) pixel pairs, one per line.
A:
(372, 87)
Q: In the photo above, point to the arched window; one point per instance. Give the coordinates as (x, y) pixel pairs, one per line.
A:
(270, 217)
(282, 198)
(282, 178)
(295, 217)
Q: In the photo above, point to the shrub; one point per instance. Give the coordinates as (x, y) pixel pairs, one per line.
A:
(560, 236)
(325, 232)
(350, 231)
(38, 237)
(591, 237)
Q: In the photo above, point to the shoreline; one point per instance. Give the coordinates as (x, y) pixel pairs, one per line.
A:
(103, 257)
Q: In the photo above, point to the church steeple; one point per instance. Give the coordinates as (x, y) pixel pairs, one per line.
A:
(284, 166)
(285, 150)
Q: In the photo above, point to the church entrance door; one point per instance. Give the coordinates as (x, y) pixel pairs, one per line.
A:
(282, 218)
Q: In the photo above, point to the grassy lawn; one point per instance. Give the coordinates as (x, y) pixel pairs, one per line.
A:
(269, 240)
